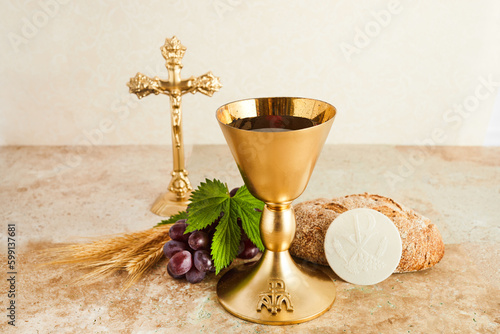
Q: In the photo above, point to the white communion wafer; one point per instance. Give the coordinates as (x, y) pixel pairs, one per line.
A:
(363, 246)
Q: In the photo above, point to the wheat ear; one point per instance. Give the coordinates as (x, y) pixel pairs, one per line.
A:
(135, 253)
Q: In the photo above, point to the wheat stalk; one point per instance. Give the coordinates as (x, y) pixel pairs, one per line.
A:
(134, 253)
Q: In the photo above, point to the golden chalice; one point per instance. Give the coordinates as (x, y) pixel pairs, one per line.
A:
(276, 142)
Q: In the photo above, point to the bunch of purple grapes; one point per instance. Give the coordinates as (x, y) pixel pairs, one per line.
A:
(189, 253)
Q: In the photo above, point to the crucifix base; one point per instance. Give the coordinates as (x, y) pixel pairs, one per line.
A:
(169, 204)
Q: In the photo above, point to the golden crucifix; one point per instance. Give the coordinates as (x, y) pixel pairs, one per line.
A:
(179, 189)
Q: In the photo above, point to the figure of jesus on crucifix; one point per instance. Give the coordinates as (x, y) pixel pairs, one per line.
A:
(177, 197)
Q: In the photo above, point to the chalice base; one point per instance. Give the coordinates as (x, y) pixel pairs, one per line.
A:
(169, 204)
(276, 291)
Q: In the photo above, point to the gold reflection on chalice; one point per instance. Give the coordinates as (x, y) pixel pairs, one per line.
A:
(276, 142)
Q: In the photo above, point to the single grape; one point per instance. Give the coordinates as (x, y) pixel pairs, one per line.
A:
(177, 230)
(233, 192)
(241, 248)
(199, 240)
(180, 263)
(174, 276)
(195, 276)
(172, 247)
(210, 234)
(250, 250)
(203, 261)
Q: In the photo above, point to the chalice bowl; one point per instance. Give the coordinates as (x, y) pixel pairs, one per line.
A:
(276, 142)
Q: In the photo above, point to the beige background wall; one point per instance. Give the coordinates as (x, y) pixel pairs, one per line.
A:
(399, 72)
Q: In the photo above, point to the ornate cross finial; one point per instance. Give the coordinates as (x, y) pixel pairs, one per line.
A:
(173, 52)
(176, 199)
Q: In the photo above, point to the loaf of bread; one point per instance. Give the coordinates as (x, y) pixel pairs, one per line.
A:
(422, 243)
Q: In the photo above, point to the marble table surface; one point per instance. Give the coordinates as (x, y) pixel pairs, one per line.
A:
(57, 195)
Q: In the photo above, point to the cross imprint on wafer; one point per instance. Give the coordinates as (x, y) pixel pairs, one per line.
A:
(361, 259)
(276, 296)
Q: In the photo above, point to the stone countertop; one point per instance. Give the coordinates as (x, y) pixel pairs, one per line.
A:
(66, 194)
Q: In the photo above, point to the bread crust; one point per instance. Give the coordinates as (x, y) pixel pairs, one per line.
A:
(423, 245)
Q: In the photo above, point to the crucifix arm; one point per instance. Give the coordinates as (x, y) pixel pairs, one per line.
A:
(206, 84)
(142, 86)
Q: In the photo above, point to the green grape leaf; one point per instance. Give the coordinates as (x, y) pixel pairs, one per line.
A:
(208, 201)
(173, 219)
(250, 217)
(226, 241)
